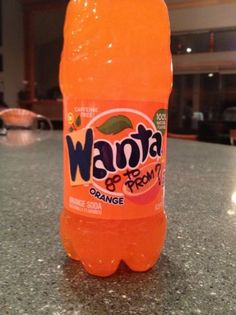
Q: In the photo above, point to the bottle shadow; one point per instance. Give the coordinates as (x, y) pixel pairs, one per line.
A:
(158, 290)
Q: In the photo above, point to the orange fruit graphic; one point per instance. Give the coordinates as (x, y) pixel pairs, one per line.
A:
(116, 125)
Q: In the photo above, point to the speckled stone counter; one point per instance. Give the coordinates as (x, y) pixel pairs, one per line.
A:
(197, 270)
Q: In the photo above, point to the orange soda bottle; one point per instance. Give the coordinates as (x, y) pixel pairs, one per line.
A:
(116, 79)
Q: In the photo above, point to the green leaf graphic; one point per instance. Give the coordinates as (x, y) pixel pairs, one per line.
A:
(71, 129)
(78, 121)
(115, 124)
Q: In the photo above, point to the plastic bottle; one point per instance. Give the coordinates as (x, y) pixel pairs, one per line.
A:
(116, 79)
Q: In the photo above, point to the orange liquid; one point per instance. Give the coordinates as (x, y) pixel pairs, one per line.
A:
(100, 246)
(114, 51)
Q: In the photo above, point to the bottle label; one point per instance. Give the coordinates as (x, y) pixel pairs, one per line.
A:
(114, 155)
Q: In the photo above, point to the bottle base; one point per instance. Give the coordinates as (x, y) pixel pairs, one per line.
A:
(100, 245)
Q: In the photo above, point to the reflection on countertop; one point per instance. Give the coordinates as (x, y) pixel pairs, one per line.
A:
(24, 137)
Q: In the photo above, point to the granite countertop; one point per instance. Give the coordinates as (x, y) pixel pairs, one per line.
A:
(197, 270)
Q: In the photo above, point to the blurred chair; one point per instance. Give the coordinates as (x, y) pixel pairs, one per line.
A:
(182, 136)
(17, 118)
(233, 136)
